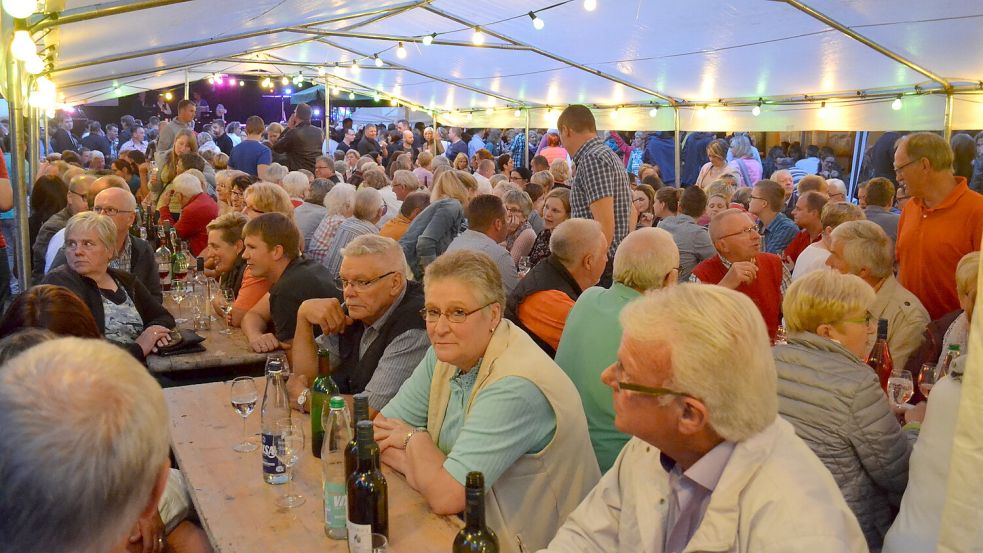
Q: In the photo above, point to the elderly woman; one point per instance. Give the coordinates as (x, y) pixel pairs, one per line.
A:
(197, 210)
(744, 164)
(223, 189)
(275, 173)
(916, 528)
(560, 170)
(123, 308)
(521, 236)
(266, 197)
(486, 398)
(556, 209)
(643, 199)
(432, 143)
(437, 225)
(711, 170)
(297, 186)
(340, 203)
(835, 401)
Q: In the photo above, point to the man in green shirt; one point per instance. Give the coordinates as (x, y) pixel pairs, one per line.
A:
(647, 259)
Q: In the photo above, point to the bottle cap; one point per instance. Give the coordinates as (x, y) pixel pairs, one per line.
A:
(361, 406)
(954, 347)
(364, 438)
(475, 479)
(336, 402)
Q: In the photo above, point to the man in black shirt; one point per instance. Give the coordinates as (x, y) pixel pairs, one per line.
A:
(369, 144)
(222, 140)
(272, 251)
(95, 140)
(301, 142)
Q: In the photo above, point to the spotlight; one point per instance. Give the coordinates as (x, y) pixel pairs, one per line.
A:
(232, 82)
(317, 112)
(537, 23)
(288, 91)
(478, 37)
(428, 39)
(400, 51)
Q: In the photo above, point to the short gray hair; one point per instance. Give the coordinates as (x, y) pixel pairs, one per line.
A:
(573, 239)
(865, 246)
(186, 185)
(368, 201)
(79, 486)
(645, 258)
(521, 199)
(275, 173)
(374, 244)
(720, 352)
(340, 199)
(296, 184)
(406, 179)
(103, 226)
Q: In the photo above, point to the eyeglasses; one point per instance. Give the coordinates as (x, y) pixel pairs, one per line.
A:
(748, 231)
(456, 316)
(237, 193)
(897, 170)
(867, 319)
(320, 166)
(758, 198)
(359, 285)
(70, 191)
(109, 211)
(87, 245)
(254, 210)
(513, 179)
(638, 200)
(644, 390)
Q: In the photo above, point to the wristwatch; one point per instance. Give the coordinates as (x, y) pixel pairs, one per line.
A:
(302, 398)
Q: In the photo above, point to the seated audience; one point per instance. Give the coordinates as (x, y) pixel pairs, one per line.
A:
(412, 205)
(369, 208)
(813, 258)
(807, 215)
(121, 305)
(272, 251)
(339, 205)
(862, 248)
(741, 265)
(225, 253)
(692, 240)
(487, 228)
(48, 198)
(297, 187)
(311, 212)
(556, 209)
(53, 308)
(560, 171)
(521, 235)
(643, 200)
(433, 230)
(813, 183)
(698, 396)
(836, 190)
(835, 401)
(645, 260)
(505, 409)
(666, 203)
(423, 170)
(197, 210)
(77, 194)
(879, 197)
(777, 230)
(542, 300)
(376, 337)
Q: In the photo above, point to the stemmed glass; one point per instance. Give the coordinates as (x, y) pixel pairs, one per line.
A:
(900, 387)
(179, 291)
(228, 298)
(927, 378)
(243, 397)
(289, 449)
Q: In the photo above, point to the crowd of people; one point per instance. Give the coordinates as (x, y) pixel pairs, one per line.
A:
(633, 365)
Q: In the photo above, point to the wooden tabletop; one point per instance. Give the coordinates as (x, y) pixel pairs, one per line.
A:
(237, 508)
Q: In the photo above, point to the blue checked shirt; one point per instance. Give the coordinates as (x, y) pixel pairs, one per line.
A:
(601, 174)
(778, 235)
(517, 149)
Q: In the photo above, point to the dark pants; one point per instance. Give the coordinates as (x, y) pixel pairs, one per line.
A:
(4, 279)
(607, 279)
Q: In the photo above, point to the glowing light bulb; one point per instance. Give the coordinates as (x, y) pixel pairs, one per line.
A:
(896, 104)
(400, 51)
(823, 112)
(653, 112)
(20, 9)
(211, 79)
(351, 95)
(288, 91)
(336, 91)
(284, 81)
(317, 112)
(393, 102)
(428, 39)
(376, 97)
(242, 82)
(489, 111)
(517, 113)
(756, 110)
(267, 83)
(355, 67)
(117, 90)
(614, 113)
(378, 61)
(537, 22)
(232, 82)
(23, 47)
(34, 65)
(478, 37)
(590, 5)
(470, 116)
(168, 96)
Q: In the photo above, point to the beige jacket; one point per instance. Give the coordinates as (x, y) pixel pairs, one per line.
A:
(527, 504)
(906, 317)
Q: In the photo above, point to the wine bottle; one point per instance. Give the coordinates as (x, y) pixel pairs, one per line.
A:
(475, 537)
(321, 389)
(368, 496)
(163, 258)
(361, 412)
(880, 357)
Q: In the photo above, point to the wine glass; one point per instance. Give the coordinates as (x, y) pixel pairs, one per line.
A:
(524, 265)
(243, 397)
(927, 378)
(900, 387)
(289, 449)
(179, 291)
(228, 298)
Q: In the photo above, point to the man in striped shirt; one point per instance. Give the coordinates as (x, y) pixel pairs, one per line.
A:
(599, 190)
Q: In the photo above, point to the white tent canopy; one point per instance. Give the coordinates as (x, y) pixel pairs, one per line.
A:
(714, 59)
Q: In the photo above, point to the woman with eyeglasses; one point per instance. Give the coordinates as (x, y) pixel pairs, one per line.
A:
(835, 401)
(486, 398)
(123, 308)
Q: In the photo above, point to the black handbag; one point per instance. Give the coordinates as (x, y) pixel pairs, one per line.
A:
(188, 342)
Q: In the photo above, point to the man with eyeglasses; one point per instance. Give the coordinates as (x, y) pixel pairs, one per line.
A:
(375, 338)
(942, 222)
(710, 465)
(78, 188)
(862, 248)
(741, 265)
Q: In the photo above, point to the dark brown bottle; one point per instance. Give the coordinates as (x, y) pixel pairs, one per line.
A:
(361, 412)
(368, 495)
(475, 537)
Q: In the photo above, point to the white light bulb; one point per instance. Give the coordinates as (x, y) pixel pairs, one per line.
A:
(517, 113)
(211, 79)
(470, 116)
(242, 82)
(34, 65)
(378, 61)
(375, 97)
(615, 113)
(756, 111)
(896, 104)
(336, 91)
(393, 102)
(351, 95)
(590, 5)
(428, 39)
(168, 96)
(232, 82)
(284, 81)
(23, 47)
(822, 110)
(489, 111)
(20, 9)
(537, 22)
(478, 37)
(400, 51)
(653, 112)
(355, 68)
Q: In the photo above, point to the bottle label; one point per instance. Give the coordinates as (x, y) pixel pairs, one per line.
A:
(335, 505)
(272, 465)
(359, 538)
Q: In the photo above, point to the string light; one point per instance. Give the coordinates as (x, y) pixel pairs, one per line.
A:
(336, 91)
(355, 67)
(822, 110)
(654, 112)
(393, 102)
(537, 22)
(378, 60)
(168, 96)
(351, 95)
(478, 37)
(34, 65)
(400, 51)
(590, 5)
(614, 113)
(376, 97)
(756, 110)
(284, 81)
(428, 39)
(266, 83)
(517, 113)
(489, 111)
(896, 104)
(232, 82)
(242, 82)
(20, 9)
(211, 79)
(23, 47)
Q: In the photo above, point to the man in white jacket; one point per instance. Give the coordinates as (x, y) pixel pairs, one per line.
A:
(711, 466)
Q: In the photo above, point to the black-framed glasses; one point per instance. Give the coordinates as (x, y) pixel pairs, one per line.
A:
(748, 231)
(70, 191)
(867, 319)
(110, 211)
(457, 315)
(897, 170)
(361, 284)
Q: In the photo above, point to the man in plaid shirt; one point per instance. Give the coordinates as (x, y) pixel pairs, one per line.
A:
(599, 190)
(518, 148)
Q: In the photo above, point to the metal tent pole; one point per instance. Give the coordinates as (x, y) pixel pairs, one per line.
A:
(33, 145)
(187, 84)
(96, 11)
(678, 149)
(947, 118)
(18, 149)
(327, 114)
(525, 151)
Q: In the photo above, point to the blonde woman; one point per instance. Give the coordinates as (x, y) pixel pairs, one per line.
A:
(711, 170)
(835, 401)
(556, 209)
(461, 162)
(266, 197)
(184, 142)
(432, 143)
(436, 226)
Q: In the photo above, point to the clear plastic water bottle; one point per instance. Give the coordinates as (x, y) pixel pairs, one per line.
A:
(275, 407)
(337, 426)
(202, 296)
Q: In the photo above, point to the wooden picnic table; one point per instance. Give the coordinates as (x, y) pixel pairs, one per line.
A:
(237, 508)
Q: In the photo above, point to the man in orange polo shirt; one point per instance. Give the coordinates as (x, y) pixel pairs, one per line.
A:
(541, 301)
(942, 222)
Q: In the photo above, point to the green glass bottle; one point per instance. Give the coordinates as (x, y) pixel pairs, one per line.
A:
(322, 389)
(475, 537)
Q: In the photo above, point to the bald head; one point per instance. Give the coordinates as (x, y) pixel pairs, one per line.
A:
(647, 259)
(119, 198)
(580, 245)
